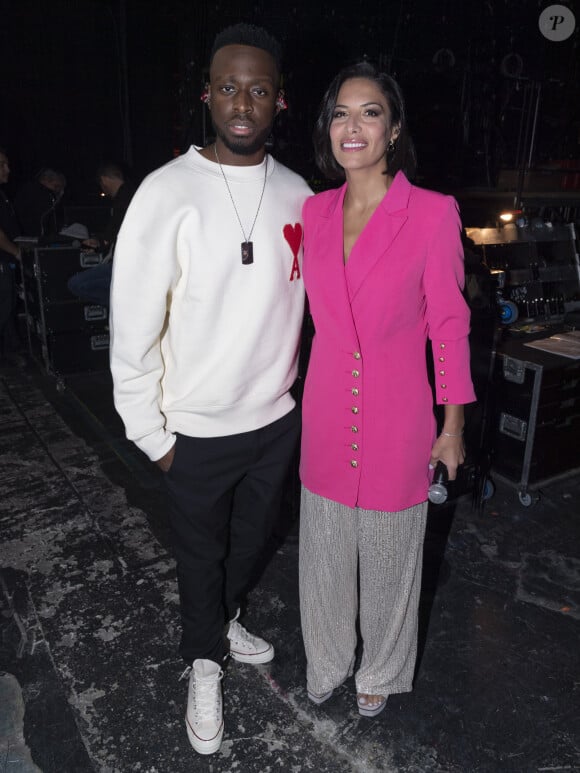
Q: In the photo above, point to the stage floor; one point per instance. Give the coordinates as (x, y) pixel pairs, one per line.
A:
(89, 627)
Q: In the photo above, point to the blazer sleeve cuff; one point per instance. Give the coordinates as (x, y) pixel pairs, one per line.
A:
(453, 383)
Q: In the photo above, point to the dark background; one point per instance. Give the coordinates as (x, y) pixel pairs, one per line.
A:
(90, 80)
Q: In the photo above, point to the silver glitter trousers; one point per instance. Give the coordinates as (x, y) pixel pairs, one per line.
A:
(386, 549)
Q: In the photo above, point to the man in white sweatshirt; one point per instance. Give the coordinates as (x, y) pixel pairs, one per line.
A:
(206, 310)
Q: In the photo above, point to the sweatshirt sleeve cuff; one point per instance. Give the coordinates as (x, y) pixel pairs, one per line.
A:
(157, 444)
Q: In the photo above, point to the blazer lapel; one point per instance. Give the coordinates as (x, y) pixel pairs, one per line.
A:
(379, 234)
(329, 266)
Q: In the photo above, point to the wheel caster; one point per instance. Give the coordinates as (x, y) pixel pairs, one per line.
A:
(508, 312)
(488, 490)
(527, 499)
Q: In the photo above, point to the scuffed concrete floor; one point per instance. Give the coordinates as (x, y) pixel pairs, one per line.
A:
(89, 623)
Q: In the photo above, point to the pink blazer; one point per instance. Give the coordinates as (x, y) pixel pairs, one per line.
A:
(368, 422)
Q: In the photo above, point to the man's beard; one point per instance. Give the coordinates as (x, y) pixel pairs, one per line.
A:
(242, 146)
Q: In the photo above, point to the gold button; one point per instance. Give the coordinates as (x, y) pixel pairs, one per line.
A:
(354, 446)
(353, 463)
(356, 355)
(355, 391)
(356, 373)
(442, 346)
(445, 400)
(353, 428)
(354, 409)
(441, 372)
(443, 386)
(441, 359)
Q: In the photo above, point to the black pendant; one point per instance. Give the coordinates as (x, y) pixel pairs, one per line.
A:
(247, 253)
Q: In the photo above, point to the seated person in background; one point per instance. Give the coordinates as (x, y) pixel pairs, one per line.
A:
(38, 204)
(93, 284)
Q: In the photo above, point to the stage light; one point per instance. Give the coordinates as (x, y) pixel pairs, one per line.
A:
(508, 215)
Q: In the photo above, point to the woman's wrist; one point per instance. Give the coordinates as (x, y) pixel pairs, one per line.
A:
(453, 421)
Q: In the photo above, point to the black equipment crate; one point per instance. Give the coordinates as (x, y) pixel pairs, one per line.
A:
(537, 417)
(52, 267)
(66, 335)
(68, 353)
(67, 316)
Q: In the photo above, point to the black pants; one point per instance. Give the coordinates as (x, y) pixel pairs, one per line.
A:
(224, 497)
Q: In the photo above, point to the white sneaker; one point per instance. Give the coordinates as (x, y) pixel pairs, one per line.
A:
(245, 647)
(204, 717)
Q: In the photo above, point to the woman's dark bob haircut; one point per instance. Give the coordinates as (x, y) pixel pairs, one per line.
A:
(402, 157)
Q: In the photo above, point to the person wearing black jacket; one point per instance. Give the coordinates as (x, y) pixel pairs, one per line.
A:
(38, 204)
(93, 284)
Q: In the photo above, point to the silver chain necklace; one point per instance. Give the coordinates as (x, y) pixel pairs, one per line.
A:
(247, 244)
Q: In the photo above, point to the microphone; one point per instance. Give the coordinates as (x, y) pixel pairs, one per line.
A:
(45, 215)
(437, 492)
(56, 197)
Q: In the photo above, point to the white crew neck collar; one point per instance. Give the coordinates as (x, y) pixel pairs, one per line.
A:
(252, 172)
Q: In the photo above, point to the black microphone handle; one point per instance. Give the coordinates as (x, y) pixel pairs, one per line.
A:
(46, 213)
(437, 493)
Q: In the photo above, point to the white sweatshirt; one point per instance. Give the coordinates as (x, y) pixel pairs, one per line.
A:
(201, 344)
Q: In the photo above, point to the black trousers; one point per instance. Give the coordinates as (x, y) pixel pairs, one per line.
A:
(224, 497)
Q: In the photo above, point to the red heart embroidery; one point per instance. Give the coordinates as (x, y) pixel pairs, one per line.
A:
(293, 235)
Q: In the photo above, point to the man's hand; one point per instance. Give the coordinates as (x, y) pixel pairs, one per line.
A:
(166, 461)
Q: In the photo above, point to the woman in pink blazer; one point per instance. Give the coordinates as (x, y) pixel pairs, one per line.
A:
(383, 269)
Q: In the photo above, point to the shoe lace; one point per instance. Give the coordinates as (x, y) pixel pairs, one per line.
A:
(205, 693)
(239, 634)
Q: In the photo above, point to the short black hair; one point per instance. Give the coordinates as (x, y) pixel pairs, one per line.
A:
(243, 34)
(402, 157)
(48, 174)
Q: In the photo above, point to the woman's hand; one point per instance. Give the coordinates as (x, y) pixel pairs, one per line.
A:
(450, 451)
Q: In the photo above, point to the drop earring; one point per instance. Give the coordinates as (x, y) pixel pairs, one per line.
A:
(281, 103)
